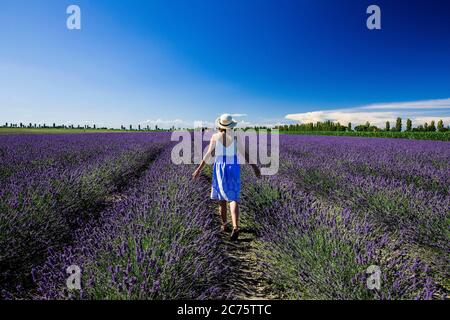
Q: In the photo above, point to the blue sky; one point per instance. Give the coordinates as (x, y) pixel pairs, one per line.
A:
(176, 62)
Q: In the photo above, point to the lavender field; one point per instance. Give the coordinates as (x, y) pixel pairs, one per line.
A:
(139, 227)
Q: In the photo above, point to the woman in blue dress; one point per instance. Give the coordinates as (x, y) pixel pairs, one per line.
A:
(226, 179)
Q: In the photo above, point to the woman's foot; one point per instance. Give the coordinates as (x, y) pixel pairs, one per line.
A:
(234, 234)
(225, 227)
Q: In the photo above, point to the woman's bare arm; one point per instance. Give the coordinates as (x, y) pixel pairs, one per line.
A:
(211, 147)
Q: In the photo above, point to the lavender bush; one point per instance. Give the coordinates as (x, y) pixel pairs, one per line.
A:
(337, 206)
(51, 184)
(322, 221)
(160, 242)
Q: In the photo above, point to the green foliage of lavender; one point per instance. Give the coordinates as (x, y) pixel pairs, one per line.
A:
(152, 245)
(442, 136)
(322, 220)
(51, 184)
(337, 206)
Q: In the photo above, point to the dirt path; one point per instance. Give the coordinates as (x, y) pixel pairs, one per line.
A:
(247, 281)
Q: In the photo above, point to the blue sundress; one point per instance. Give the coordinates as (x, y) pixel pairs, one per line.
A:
(226, 182)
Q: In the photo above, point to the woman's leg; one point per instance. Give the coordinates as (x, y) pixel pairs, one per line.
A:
(223, 211)
(234, 208)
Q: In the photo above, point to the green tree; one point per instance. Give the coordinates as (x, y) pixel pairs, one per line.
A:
(388, 126)
(408, 125)
(440, 126)
(432, 126)
(398, 124)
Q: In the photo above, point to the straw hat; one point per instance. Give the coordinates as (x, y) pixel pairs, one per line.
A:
(225, 121)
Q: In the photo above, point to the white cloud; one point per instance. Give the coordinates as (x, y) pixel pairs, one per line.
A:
(180, 123)
(377, 114)
(249, 124)
(238, 115)
(203, 124)
(162, 123)
(422, 120)
(423, 104)
(177, 123)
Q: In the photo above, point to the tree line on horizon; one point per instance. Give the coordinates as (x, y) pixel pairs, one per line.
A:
(81, 127)
(324, 126)
(367, 127)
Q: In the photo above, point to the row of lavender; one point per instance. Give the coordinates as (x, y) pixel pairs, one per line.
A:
(51, 184)
(402, 185)
(337, 206)
(161, 241)
(340, 205)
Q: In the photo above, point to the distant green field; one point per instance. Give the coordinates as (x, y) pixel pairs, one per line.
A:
(443, 136)
(58, 130)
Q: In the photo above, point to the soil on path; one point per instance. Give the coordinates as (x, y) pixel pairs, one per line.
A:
(247, 280)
